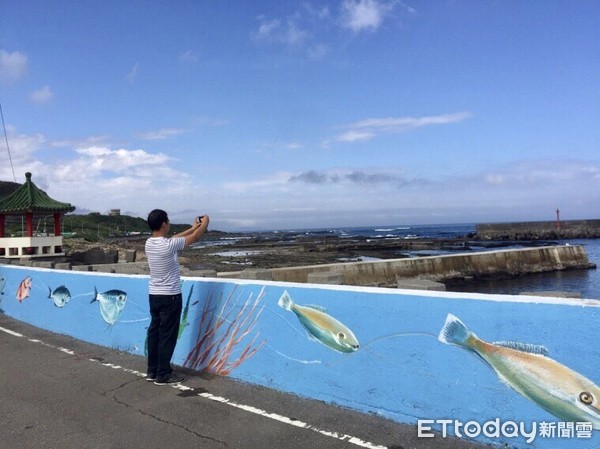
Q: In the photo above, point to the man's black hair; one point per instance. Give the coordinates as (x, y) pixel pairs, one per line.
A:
(156, 218)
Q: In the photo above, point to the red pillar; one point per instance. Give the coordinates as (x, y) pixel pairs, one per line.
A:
(1, 226)
(29, 220)
(56, 225)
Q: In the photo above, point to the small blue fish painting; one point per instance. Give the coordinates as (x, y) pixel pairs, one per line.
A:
(112, 303)
(321, 326)
(60, 295)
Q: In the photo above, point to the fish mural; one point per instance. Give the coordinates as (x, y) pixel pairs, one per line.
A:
(61, 295)
(320, 326)
(23, 289)
(530, 372)
(112, 303)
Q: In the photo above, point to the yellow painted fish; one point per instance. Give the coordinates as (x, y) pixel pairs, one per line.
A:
(321, 326)
(528, 370)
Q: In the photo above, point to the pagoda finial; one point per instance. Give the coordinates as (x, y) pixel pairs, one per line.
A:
(28, 176)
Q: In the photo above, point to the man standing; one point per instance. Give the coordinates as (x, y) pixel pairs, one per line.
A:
(165, 293)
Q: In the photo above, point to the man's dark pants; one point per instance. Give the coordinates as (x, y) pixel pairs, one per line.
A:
(165, 311)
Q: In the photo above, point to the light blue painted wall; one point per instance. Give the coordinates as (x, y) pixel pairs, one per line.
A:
(401, 371)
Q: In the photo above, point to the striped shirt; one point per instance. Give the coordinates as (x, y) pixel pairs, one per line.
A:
(164, 267)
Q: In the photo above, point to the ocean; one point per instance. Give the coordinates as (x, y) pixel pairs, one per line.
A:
(584, 282)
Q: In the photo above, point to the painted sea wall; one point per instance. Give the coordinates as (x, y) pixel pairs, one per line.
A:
(404, 355)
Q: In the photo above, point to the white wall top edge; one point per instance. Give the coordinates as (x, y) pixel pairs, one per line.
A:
(375, 290)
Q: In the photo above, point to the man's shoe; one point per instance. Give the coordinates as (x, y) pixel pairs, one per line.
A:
(150, 377)
(171, 379)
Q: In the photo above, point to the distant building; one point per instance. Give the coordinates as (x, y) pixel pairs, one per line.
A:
(114, 212)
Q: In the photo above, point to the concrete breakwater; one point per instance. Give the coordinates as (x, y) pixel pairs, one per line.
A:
(387, 273)
(419, 273)
(539, 230)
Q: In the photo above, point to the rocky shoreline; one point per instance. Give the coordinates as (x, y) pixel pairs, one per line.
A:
(235, 252)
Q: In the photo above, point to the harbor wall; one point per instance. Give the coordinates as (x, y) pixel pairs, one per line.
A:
(379, 350)
(386, 273)
(539, 230)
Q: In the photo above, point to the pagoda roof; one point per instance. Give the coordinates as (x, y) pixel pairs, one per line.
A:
(30, 199)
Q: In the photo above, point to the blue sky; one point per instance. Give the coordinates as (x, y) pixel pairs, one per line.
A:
(294, 114)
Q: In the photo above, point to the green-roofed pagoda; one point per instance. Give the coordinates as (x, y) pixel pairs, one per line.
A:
(29, 201)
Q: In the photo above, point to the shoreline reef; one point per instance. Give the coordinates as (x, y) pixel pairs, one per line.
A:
(226, 252)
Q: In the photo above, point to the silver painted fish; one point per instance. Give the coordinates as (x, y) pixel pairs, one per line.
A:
(112, 303)
(61, 295)
(321, 326)
(530, 372)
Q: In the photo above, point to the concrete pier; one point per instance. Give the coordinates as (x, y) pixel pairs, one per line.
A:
(540, 230)
(386, 273)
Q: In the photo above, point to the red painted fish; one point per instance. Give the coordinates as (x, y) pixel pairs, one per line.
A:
(23, 290)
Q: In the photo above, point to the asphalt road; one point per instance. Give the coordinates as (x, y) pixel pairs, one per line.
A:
(58, 392)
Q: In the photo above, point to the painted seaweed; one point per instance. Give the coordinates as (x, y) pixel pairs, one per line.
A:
(219, 348)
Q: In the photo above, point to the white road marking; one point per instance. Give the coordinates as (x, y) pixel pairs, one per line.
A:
(8, 331)
(248, 408)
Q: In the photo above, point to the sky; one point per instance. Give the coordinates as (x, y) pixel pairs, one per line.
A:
(306, 114)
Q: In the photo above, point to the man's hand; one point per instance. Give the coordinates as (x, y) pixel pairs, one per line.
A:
(197, 230)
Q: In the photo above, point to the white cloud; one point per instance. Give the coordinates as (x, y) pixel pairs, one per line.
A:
(188, 56)
(100, 177)
(13, 66)
(364, 196)
(209, 121)
(42, 95)
(267, 28)
(495, 179)
(370, 128)
(318, 51)
(321, 12)
(161, 134)
(132, 74)
(288, 33)
(277, 180)
(22, 150)
(543, 174)
(119, 161)
(308, 30)
(293, 146)
(360, 15)
(399, 124)
(279, 145)
(355, 136)
(80, 143)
